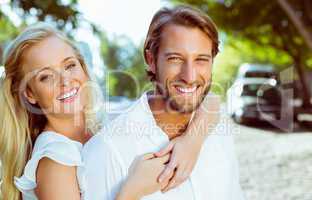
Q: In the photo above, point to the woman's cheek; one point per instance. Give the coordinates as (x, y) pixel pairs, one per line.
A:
(47, 95)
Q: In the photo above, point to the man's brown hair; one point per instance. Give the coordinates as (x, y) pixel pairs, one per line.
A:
(180, 15)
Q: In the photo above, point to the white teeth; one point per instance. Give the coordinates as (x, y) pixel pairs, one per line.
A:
(68, 94)
(186, 90)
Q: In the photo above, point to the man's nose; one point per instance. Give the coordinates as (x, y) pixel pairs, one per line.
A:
(188, 72)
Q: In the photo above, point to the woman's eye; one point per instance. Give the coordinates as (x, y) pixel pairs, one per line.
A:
(45, 78)
(70, 66)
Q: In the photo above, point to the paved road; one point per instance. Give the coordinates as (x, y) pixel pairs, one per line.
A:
(274, 166)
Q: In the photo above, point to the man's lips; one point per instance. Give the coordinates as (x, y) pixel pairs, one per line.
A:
(186, 90)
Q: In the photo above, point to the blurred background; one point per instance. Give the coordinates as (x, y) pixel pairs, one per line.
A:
(263, 73)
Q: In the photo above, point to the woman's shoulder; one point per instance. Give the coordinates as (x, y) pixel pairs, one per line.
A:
(47, 138)
(58, 148)
(55, 150)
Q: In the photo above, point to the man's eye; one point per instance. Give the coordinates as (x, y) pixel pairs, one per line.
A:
(203, 59)
(175, 59)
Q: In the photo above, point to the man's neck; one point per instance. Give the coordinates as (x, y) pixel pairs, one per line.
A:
(173, 123)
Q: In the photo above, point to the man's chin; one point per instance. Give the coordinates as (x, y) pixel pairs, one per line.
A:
(183, 107)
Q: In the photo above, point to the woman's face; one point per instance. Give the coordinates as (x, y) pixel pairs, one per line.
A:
(55, 77)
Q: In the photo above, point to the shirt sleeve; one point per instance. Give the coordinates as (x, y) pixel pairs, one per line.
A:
(59, 150)
(104, 173)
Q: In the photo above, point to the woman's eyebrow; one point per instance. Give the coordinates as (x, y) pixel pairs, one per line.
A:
(49, 68)
(42, 69)
(68, 58)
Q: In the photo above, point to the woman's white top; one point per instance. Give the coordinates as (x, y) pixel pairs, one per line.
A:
(58, 148)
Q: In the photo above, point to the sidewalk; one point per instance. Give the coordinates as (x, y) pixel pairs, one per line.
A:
(274, 166)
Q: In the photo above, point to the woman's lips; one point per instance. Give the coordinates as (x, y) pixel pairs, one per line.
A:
(68, 96)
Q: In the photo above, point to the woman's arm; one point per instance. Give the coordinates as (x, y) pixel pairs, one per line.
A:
(142, 178)
(56, 181)
(182, 162)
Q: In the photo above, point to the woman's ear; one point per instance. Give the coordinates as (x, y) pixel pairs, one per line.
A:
(151, 61)
(30, 96)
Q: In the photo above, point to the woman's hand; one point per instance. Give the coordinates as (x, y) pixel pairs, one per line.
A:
(185, 149)
(143, 176)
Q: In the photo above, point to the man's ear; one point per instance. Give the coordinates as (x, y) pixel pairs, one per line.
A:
(30, 96)
(150, 61)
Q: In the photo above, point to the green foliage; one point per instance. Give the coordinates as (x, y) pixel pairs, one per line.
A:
(54, 10)
(9, 31)
(256, 31)
(238, 50)
(65, 17)
(126, 74)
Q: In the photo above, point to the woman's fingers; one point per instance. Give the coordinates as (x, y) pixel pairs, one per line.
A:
(164, 159)
(148, 156)
(165, 150)
(168, 170)
(179, 177)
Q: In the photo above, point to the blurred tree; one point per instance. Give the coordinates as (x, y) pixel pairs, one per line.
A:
(238, 50)
(64, 14)
(267, 24)
(125, 75)
(8, 30)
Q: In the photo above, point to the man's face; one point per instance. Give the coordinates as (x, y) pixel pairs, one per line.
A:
(183, 67)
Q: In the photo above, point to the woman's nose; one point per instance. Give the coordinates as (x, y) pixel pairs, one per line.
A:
(64, 80)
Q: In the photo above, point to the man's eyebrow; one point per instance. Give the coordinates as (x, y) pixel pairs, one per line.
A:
(172, 54)
(205, 55)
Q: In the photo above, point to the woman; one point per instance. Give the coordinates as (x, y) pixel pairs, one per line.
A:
(45, 120)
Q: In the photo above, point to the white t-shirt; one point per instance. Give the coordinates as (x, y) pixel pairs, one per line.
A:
(58, 148)
(109, 155)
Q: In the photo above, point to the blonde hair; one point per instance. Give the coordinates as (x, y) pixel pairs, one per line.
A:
(19, 127)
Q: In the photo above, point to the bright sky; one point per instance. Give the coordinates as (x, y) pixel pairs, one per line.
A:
(117, 17)
(122, 17)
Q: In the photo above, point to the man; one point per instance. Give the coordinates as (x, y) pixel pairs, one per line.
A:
(179, 50)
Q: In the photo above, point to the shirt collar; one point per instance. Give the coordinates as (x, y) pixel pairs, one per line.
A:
(142, 111)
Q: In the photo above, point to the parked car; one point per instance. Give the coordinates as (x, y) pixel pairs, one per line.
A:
(251, 70)
(304, 117)
(254, 100)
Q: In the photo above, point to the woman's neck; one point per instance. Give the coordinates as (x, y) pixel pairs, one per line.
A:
(72, 126)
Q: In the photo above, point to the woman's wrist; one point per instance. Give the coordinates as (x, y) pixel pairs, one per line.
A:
(127, 193)
(195, 139)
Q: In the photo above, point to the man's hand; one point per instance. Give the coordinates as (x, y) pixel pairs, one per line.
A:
(185, 149)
